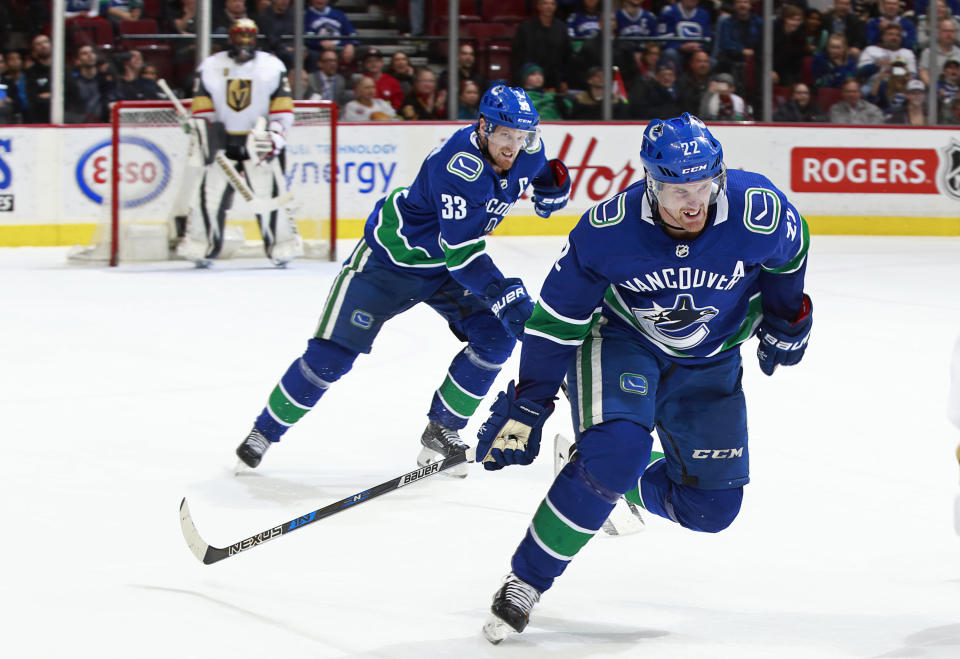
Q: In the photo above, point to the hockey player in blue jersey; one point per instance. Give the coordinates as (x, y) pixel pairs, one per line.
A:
(425, 243)
(643, 313)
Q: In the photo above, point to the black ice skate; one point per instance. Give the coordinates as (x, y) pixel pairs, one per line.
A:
(510, 609)
(252, 449)
(439, 443)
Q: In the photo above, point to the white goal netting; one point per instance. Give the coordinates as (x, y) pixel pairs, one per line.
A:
(151, 187)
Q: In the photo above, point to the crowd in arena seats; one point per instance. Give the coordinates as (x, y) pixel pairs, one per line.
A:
(850, 61)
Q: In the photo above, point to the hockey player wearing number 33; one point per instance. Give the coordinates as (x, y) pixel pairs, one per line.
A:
(425, 243)
(644, 313)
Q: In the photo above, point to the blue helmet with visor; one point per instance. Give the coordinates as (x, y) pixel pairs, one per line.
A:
(681, 150)
(510, 107)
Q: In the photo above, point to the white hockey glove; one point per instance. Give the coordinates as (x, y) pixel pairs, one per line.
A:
(269, 144)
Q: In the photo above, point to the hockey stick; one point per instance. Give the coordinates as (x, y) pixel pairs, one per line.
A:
(209, 554)
(258, 205)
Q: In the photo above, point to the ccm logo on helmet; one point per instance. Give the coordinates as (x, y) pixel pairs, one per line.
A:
(691, 170)
(857, 170)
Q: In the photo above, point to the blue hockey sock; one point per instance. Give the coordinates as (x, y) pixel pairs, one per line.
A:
(468, 381)
(572, 512)
(709, 511)
(302, 385)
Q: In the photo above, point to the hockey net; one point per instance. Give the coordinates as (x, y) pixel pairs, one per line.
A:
(150, 183)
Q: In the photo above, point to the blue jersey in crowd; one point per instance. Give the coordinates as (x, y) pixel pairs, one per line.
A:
(328, 22)
(687, 301)
(644, 24)
(581, 25)
(675, 22)
(439, 222)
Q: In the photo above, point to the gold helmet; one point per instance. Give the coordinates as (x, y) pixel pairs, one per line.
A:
(243, 39)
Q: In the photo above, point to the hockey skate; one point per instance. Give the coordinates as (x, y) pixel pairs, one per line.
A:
(439, 443)
(625, 518)
(252, 449)
(511, 608)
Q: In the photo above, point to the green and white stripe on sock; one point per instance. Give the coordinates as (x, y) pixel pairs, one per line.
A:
(590, 380)
(331, 309)
(633, 496)
(557, 535)
(457, 399)
(283, 408)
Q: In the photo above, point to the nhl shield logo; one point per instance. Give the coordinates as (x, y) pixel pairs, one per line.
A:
(683, 251)
(950, 174)
(239, 93)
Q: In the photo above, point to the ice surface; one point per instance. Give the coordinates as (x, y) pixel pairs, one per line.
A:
(125, 389)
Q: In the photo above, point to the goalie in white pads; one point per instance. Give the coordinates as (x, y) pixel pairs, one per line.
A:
(244, 95)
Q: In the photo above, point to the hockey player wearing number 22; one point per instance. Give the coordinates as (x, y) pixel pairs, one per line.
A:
(644, 313)
(234, 89)
(425, 243)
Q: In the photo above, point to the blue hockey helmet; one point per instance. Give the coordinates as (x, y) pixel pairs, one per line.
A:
(681, 150)
(510, 107)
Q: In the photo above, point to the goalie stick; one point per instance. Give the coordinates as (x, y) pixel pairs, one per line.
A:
(259, 205)
(208, 554)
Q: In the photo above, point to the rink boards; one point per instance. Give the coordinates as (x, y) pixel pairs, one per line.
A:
(845, 180)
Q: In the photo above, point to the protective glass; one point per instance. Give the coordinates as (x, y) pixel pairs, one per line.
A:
(501, 137)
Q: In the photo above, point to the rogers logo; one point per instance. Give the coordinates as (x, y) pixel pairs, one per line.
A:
(856, 170)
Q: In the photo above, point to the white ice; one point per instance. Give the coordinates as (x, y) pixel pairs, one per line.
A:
(125, 389)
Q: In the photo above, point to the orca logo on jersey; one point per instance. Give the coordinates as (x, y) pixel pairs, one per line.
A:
(239, 93)
(670, 327)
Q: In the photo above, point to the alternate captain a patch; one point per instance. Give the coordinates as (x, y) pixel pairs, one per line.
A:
(239, 93)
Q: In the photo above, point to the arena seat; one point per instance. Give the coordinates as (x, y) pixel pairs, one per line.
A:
(81, 31)
(827, 96)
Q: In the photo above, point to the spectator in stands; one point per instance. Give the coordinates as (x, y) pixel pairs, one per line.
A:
(633, 21)
(584, 23)
(37, 79)
(122, 10)
(852, 109)
(739, 37)
(233, 10)
(16, 84)
(81, 9)
(274, 22)
(946, 49)
(365, 106)
(388, 88)
(150, 72)
(694, 82)
(468, 101)
(886, 89)
(130, 85)
(890, 15)
(185, 17)
(841, 19)
(588, 104)
(646, 68)
(326, 22)
(659, 97)
(876, 59)
(789, 45)
(681, 21)
(425, 102)
(950, 114)
(948, 85)
(913, 111)
(543, 40)
(467, 68)
(835, 65)
(721, 102)
(814, 32)
(6, 101)
(943, 12)
(325, 84)
(801, 108)
(401, 70)
(87, 90)
(550, 105)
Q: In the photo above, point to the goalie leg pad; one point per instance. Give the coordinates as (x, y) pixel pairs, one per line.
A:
(303, 384)
(205, 223)
(708, 511)
(281, 240)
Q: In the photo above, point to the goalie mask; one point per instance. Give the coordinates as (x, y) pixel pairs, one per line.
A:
(243, 40)
(682, 151)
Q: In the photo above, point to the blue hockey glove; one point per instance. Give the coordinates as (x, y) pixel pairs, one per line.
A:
(510, 303)
(783, 342)
(552, 196)
(511, 436)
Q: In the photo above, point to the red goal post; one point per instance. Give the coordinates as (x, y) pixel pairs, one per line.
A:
(150, 181)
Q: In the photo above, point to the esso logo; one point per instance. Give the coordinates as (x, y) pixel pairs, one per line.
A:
(859, 170)
(144, 171)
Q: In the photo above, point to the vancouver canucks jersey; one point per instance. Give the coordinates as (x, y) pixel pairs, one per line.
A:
(438, 224)
(689, 301)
